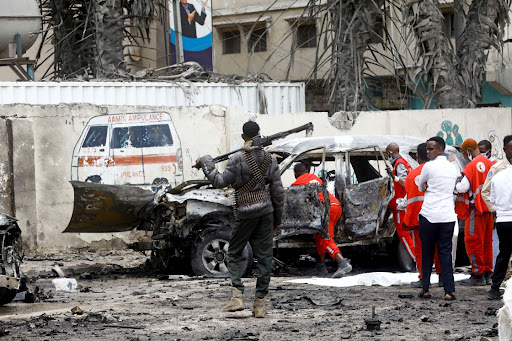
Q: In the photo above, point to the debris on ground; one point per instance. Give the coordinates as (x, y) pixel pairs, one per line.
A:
(76, 311)
(65, 284)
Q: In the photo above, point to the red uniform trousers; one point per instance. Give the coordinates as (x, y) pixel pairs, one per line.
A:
(478, 240)
(328, 245)
(405, 236)
(417, 252)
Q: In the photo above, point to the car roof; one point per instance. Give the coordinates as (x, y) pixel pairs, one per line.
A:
(346, 142)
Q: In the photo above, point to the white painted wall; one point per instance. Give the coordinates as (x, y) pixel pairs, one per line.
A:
(44, 138)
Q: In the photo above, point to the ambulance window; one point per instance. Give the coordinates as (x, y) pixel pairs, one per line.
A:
(158, 135)
(127, 137)
(96, 137)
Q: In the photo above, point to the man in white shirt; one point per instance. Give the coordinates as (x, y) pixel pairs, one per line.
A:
(437, 216)
(501, 197)
(486, 190)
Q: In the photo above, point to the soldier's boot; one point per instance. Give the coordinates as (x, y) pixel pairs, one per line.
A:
(236, 303)
(258, 309)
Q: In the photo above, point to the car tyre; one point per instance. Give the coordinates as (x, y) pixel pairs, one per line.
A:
(209, 254)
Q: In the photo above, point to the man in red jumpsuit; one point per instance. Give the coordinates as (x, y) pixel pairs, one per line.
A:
(414, 202)
(479, 221)
(303, 177)
(400, 170)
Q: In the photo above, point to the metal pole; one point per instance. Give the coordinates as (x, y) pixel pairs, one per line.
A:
(177, 32)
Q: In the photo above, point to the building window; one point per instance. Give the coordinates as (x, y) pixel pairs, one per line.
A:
(231, 42)
(306, 36)
(377, 33)
(258, 40)
(448, 28)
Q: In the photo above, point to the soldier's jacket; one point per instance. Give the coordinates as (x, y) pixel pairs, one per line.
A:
(238, 173)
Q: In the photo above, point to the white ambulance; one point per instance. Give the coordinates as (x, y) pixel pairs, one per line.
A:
(135, 149)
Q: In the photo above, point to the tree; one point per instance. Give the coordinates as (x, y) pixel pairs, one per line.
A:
(452, 77)
(89, 36)
(455, 76)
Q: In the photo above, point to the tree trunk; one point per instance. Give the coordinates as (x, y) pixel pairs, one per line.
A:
(352, 22)
(484, 30)
(109, 34)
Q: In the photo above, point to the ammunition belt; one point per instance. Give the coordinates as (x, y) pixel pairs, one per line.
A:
(245, 195)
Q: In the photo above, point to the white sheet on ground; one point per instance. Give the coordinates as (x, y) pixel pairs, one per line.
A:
(505, 314)
(384, 279)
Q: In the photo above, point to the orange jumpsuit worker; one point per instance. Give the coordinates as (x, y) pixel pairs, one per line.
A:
(479, 220)
(303, 177)
(414, 202)
(399, 173)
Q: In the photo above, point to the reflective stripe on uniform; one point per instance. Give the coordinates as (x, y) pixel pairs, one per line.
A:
(472, 222)
(419, 198)
(475, 264)
(408, 249)
(478, 190)
(466, 201)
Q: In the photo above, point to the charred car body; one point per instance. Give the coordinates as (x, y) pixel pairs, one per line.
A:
(193, 220)
(11, 257)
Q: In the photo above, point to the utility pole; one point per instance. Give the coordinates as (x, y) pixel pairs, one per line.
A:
(177, 32)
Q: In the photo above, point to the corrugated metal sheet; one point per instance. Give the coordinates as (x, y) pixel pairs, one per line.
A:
(280, 97)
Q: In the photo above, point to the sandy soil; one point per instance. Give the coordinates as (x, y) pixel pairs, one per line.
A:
(137, 306)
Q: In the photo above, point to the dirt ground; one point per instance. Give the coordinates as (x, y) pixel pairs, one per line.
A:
(121, 301)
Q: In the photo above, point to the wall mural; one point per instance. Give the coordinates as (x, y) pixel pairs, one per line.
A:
(450, 133)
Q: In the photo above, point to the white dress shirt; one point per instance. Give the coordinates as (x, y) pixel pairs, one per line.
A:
(440, 176)
(501, 195)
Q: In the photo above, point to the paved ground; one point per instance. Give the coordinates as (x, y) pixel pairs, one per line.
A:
(121, 301)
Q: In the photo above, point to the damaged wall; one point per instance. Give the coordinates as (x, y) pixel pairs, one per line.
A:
(44, 137)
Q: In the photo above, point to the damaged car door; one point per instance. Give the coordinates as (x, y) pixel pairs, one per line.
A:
(303, 211)
(366, 195)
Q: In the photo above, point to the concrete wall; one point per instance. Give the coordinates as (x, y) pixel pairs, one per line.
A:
(44, 138)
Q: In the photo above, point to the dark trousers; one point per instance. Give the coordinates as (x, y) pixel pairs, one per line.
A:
(505, 235)
(440, 234)
(258, 232)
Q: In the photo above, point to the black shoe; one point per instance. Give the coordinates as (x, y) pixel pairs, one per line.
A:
(494, 295)
(487, 277)
(440, 282)
(417, 284)
(474, 281)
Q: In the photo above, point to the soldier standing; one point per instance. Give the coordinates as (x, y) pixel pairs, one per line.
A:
(254, 174)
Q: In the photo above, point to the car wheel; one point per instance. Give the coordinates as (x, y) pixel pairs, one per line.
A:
(405, 262)
(209, 255)
(6, 296)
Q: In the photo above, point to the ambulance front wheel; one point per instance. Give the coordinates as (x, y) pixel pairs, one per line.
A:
(94, 179)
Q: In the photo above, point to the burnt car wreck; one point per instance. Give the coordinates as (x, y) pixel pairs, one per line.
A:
(11, 257)
(191, 223)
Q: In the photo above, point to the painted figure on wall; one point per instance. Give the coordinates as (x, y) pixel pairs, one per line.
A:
(452, 136)
(458, 138)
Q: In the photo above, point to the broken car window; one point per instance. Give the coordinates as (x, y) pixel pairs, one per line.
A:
(158, 135)
(96, 137)
(363, 170)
